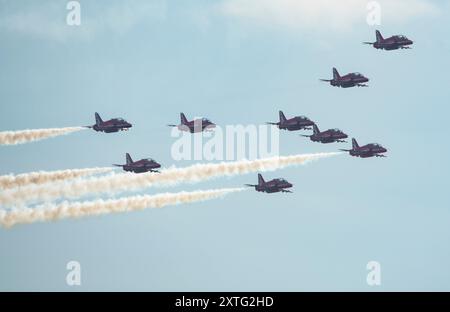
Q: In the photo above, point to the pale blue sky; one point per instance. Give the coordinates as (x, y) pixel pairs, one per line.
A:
(234, 63)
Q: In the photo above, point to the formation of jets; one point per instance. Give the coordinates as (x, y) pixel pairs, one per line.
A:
(359, 80)
(295, 123)
(327, 136)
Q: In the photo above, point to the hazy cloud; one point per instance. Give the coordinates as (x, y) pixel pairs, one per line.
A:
(321, 14)
(47, 20)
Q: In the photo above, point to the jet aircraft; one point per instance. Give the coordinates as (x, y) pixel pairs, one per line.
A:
(391, 43)
(272, 186)
(293, 124)
(366, 151)
(328, 136)
(112, 125)
(347, 81)
(140, 166)
(194, 126)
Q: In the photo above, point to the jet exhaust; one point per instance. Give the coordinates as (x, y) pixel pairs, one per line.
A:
(116, 183)
(43, 177)
(25, 136)
(65, 210)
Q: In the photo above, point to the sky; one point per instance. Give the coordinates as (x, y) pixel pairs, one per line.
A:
(235, 62)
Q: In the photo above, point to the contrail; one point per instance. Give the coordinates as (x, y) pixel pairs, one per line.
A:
(116, 183)
(43, 177)
(25, 136)
(52, 212)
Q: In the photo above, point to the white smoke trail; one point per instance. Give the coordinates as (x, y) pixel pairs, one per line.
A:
(43, 177)
(25, 136)
(52, 212)
(116, 183)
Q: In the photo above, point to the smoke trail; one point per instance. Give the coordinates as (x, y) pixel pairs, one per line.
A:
(25, 136)
(51, 212)
(42, 177)
(116, 183)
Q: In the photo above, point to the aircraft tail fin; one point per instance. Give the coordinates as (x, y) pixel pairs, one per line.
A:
(336, 74)
(315, 129)
(354, 144)
(98, 119)
(128, 157)
(379, 36)
(282, 117)
(260, 179)
(183, 119)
